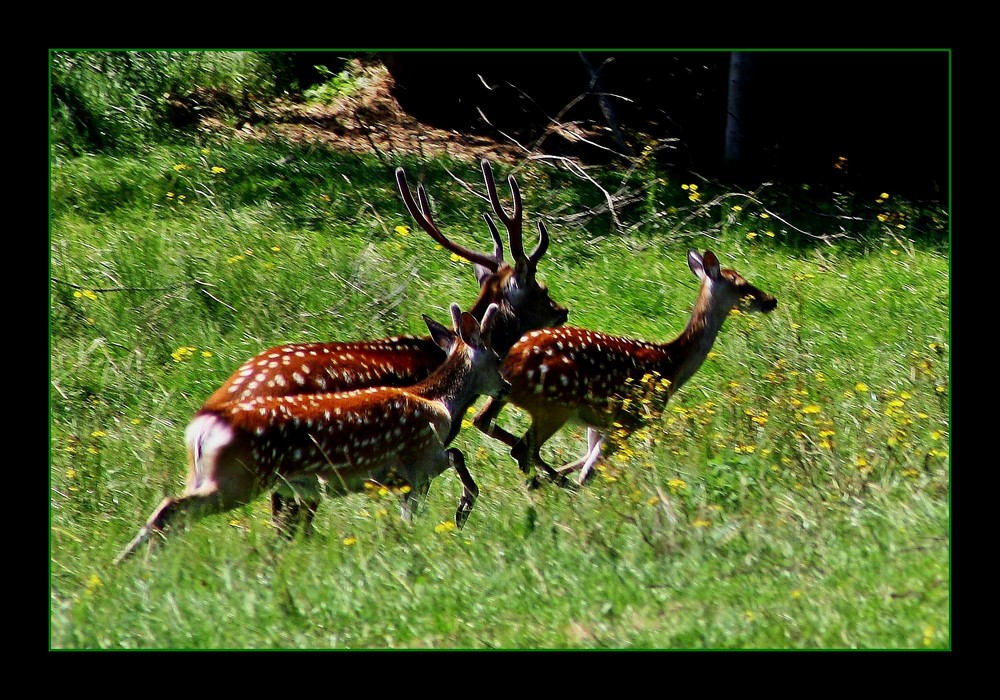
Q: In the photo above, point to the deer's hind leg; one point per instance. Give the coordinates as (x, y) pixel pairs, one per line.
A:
(294, 504)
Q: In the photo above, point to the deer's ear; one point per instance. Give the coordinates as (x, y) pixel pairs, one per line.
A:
(711, 265)
(486, 325)
(703, 266)
(442, 335)
(481, 273)
(469, 330)
(695, 263)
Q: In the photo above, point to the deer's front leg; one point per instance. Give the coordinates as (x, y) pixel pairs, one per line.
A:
(485, 420)
(528, 449)
(470, 492)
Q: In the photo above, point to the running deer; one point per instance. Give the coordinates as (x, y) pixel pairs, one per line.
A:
(303, 445)
(558, 374)
(523, 304)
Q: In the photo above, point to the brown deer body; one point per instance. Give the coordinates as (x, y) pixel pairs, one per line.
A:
(559, 374)
(523, 304)
(337, 442)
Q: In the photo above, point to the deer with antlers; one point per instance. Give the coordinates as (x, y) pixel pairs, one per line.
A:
(559, 374)
(298, 369)
(523, 303)
(303, 445)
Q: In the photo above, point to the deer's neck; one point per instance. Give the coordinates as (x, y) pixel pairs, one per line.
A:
(688, 351)
(450, 385)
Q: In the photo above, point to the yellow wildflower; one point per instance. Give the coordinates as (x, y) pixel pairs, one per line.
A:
(182, 353)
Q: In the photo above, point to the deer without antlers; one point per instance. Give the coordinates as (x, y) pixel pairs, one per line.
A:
(558, 374)
(337, 442)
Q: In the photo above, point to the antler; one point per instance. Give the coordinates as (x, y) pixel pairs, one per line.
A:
(514, 222)
(422, 215)
(543, 244)
(495, 235)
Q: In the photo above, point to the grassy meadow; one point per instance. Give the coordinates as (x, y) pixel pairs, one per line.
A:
(794, 494)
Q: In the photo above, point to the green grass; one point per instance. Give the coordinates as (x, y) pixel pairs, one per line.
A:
(794, 495)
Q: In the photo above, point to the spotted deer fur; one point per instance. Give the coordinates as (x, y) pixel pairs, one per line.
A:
(563, 374)
(307, 444)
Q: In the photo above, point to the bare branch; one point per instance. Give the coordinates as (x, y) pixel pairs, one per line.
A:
(576, 169)
(104, 290)
(197, 284)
